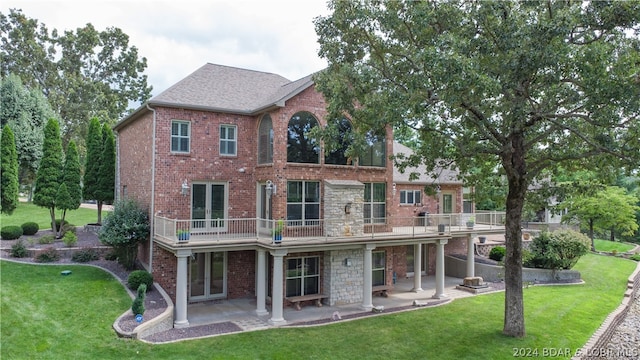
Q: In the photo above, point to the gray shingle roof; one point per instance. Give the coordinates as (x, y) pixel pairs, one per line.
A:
(444, 176)
(229, 89)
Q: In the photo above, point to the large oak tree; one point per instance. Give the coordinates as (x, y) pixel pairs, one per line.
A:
(520, 85)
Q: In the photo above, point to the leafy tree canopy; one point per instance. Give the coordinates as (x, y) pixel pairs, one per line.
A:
(83, 73)
(523, 86)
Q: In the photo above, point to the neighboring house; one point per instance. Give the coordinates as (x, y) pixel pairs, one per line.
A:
(222, 160)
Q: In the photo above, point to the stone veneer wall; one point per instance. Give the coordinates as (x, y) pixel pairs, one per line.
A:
(343, 284)
(337, 194)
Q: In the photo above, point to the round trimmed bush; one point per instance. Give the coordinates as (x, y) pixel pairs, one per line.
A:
(70, 239)
(497, 253)
(30, 228)
(138, 277)
(10, 232)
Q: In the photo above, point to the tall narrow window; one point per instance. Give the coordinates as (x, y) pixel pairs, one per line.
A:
(378, 275)
(228, 140)
(303, 203)
(301, 148)
(180, 135)
(376, 154)
(447, 203)
(343, 139)
(375, 207)
(265, 140)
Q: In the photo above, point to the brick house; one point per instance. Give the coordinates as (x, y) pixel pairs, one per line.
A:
(222, 160)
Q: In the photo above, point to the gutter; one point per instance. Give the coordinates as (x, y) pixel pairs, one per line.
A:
(152, 210)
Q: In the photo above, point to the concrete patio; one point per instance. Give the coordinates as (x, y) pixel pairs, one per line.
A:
(242, 312)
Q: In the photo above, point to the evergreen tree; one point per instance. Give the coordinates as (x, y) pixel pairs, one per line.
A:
(107, 170)
(92, 164)
(70, 192)
(8, 172)
(50, 171)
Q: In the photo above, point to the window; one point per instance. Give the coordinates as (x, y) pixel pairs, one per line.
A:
(265, 140)
(375, 155)
(300, 147)
(378, 276)
(303, 276)
(410, 197)
(447, 203)
(342, 141)
(467, 200)
(228, 139)
(303, 203)
(180, 135)
(374, 209)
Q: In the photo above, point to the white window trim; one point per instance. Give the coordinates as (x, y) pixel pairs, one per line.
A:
(405, 202)
(234, 140)
(180, 136)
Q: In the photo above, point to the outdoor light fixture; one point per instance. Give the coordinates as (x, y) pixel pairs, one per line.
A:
(393, 186)
(347, 208)
(184, 188)
(438, 189)
(271, 188)
(347, 262)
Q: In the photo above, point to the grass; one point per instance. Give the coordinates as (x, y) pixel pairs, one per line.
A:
(46, 315)
(29, 212)
(609, 246)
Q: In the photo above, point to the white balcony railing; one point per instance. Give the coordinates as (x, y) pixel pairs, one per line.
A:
(253, 229)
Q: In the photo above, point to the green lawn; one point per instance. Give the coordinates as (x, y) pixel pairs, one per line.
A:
(29, 212)
(609, 246)
(49, 316)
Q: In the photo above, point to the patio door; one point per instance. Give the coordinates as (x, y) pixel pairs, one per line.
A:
(208, 206)
(264, 208)
(424, 260)
(208, 278)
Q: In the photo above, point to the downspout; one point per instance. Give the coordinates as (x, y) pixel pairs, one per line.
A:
(152, 210)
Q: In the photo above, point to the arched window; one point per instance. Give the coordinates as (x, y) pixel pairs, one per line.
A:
(343, 139)
(265, 140)
(376, 154)
(300, 147)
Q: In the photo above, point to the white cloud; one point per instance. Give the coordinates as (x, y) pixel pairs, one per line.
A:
(177, 37)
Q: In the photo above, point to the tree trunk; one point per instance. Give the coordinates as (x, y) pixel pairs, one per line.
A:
(593, 242)
(52, 212)
(514, 164)
(613, 234)
(99, 206)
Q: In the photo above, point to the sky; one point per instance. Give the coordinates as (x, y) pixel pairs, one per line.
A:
(178, 37)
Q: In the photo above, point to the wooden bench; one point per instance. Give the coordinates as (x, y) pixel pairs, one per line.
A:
(296, 300)
(381, 290)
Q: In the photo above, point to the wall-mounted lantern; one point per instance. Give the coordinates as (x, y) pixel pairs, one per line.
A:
(184, 189)
(347, 208)
(271, 188)
(347, 262)
(393, 189)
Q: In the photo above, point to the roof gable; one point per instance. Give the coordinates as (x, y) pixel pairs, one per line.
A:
(443, 176)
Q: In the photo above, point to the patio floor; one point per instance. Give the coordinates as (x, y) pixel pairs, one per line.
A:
(242, 313)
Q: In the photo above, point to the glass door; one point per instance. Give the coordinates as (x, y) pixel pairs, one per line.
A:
(264, 208)
(208, 207)
(410, 258)
(208, 276)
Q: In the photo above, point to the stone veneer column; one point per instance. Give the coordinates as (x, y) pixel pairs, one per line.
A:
(367, 287)
(277, 300)
(470, 256)
(181, 290)
(261, 283)
(417, 268)
(440, 269)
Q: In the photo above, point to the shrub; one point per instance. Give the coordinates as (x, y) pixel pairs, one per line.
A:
(19, 250)
(30, 228)
(497, 253)
(86, 255)
(47, 239)
(635, 257)
(111, 256)
(48, 255)
(558, 250)
(10, 232)
(125, 228)
(70, 239)
(138, 277)
(58, 223)
(137, 307)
